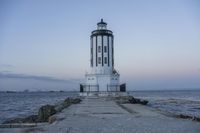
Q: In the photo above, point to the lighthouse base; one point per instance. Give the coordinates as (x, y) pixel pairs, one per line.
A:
(102, 85)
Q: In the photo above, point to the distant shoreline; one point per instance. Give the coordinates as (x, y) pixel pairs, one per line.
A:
(76, 91)
(36, 91)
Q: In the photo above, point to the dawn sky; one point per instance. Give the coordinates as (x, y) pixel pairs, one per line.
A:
(44, 44)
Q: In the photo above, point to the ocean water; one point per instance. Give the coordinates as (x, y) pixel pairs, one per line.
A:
(186, 102)
(22, 104)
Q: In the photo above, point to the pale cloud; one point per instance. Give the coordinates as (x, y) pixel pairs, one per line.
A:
(20, 82)
(8, 74)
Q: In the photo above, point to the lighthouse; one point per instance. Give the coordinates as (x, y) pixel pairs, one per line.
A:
(102, 78)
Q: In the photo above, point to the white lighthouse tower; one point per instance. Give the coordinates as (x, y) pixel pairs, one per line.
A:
(102, 79)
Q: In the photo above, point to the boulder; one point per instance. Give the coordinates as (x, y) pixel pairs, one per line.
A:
(67, 102)
(76, 100)
(52, 119)
(72, 100)
(138, 101)
(45, 112)
(123, 99)
(196, 119)
(185, 116)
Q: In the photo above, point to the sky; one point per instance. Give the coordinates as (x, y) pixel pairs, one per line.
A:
(44, 44)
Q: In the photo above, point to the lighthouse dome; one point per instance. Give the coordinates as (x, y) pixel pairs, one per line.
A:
(102, 25)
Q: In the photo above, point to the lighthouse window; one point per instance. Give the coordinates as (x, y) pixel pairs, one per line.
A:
(105, 49)
(99, 60)
(105, 60)
(99, 49)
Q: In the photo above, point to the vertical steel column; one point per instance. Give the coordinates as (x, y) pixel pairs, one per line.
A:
(108, 50)
(112, 51)
(96, 50)
(102, 49)
(91, 41)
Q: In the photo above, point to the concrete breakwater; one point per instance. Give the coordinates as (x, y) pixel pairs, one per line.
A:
(110, 115)
(46, 112)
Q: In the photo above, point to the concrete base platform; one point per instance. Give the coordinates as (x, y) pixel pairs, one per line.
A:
(103, 94)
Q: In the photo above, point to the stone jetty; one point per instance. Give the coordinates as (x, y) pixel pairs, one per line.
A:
(110, 115)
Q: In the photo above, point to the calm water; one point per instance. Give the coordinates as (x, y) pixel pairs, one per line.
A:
(185, 102)
(25, 103)
(22, 104)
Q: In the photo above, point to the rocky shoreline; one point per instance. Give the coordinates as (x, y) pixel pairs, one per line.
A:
(130, 99)
(45, 112)
(193, 118)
